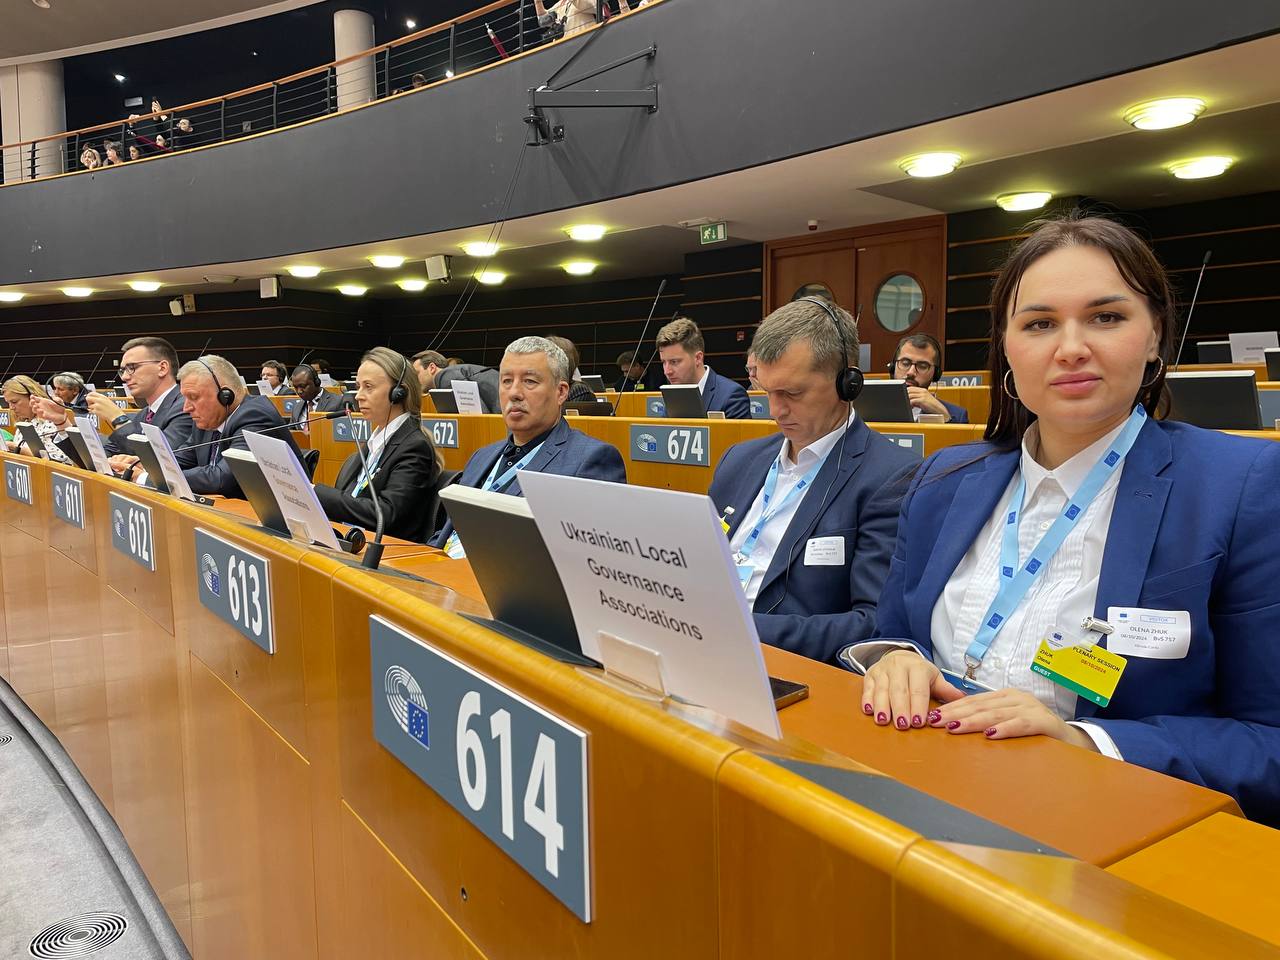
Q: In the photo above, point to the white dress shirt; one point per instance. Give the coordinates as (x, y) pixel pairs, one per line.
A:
(702, 383)
(154, 405)
(378, 439)
(789, 474)
(1060, 598)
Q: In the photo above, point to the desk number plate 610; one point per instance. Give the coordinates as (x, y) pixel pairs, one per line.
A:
(514, 771)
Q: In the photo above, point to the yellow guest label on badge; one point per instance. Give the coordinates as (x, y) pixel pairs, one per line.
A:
(1090, 672)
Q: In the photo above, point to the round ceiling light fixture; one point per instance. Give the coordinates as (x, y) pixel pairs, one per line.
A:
(80, 292)
(42, 4)
(11, 296)
(1032, 200)
(412, 284)
(145, 286)
(930, 164)
(491, 277)
(353, 290)
(1200, 168)
(386, 261)
(303, 271)
(1164, 114)
(580, 268)
(480, 248)
(585, 232)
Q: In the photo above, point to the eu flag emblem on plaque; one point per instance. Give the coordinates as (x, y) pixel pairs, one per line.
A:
(418, 724)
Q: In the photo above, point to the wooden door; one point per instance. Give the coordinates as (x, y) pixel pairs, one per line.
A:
(900, 285)
(829, 263)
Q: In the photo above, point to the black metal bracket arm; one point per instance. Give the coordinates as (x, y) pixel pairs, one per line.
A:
(541, 130)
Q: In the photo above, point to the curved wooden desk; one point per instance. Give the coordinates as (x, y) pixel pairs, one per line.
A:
(273, 824)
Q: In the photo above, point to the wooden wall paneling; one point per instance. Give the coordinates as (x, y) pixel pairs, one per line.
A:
(271, 685)
(978, 901)
(651, 801)
(78, 546)
(250, 832)
(26, 610)
(402, 920)
(145, 589)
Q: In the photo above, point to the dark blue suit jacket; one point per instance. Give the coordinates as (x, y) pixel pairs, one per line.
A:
(958, 414)
(175, 425)
(566, 453)
(816, 610)
(721, 393)
(206, 470)
(1193, 529)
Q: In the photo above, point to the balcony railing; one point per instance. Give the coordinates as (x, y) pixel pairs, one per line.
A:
(432, 56)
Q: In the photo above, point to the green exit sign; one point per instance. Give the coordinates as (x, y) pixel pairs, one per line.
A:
(712, 232)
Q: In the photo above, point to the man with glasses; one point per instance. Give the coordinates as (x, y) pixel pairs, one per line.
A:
(148, 368)
(918, 360)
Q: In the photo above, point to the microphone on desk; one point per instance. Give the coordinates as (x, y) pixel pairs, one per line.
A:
(372, 551)
(1204, 264)
(287, 425)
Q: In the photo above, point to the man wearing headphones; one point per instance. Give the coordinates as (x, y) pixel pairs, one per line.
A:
(811, 515)
(222, 411)
(918, 360)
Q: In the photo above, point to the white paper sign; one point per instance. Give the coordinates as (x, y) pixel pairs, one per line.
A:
(93, 441)
(1155, 634)
(1249, 347)
(265, 388)
(326, 380)
(294, 493)
(173, 475)
(467, 393)
(652, 567)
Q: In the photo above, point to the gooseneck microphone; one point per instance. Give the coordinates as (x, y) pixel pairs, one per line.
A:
(640, 343)
(1192, 309)
(287, 425)
(372, 551)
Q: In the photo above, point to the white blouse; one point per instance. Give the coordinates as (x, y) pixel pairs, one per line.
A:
(1060, 598)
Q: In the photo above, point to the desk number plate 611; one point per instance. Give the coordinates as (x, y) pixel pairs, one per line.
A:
(514, 771)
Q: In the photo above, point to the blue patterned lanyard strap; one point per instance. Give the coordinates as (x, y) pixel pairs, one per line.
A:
(767, 514)
(1016, 580)
(495, 482)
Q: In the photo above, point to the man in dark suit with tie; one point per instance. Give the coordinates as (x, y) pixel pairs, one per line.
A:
(312, 398)
(680, 345)
(148, 369)
(222, 411)
(812, 513)
(436, 373)
(533, 385)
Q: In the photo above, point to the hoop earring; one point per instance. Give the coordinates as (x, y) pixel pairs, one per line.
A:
(1005, 383)
(1159, 372)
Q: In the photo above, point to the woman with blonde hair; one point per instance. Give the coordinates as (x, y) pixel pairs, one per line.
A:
(19, 394)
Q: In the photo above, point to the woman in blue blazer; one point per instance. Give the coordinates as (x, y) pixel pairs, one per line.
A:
(1112, 514)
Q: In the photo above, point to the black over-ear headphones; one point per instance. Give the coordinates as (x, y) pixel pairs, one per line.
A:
(400, 393)
(849, 380)
(226, 396)
(892, 365)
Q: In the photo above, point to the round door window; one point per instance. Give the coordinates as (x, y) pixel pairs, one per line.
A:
(899, 302)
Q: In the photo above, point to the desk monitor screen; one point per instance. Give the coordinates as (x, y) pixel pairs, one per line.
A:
(1213, 351)
(591, 408)
(884, 401)
(528, 604)
(31, 437)
(1218, 400)
(140, 447)
(444, 400)
(683, 400)
(244, 466)
(1273, 362)
(593, 382)
(79, 450)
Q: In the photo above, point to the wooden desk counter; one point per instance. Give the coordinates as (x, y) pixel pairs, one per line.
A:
(1034, 786)
(1223, 866)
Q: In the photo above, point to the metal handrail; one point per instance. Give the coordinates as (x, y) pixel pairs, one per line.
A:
(441, 50)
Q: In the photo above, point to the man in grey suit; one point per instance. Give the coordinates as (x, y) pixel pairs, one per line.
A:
(312, 398)
(222, 411)
(434, 373)
(148, 369)
(534, 383)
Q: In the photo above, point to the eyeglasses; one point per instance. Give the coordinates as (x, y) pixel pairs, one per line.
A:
(922, 366)
(129, 369)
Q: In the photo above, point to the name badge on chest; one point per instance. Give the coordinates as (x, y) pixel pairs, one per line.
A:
(1084, 668)
(1154, 634)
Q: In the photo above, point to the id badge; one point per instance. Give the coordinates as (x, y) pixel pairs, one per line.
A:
(1084, 668)
(745, 569)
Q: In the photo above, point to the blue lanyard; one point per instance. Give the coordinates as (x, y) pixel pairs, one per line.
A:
(367, 475)
(770, 484)
(1015, 581)
(494, 482)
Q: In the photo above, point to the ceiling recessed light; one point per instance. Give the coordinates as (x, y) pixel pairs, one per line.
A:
(580, 268)
(480, 248)
(145, 286)
(1023, 201)
(412, 284)
(586, 232)
(411, 24)
(1198, 168)
(11, 296)
(930, 164)
(353, 290)
(386, 261)
(77, 291)
(491, 277)
(42, 4)
(303, 271)
(1163, 114)
(120, 78)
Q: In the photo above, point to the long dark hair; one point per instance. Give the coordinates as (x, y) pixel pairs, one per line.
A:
(1139, 268)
